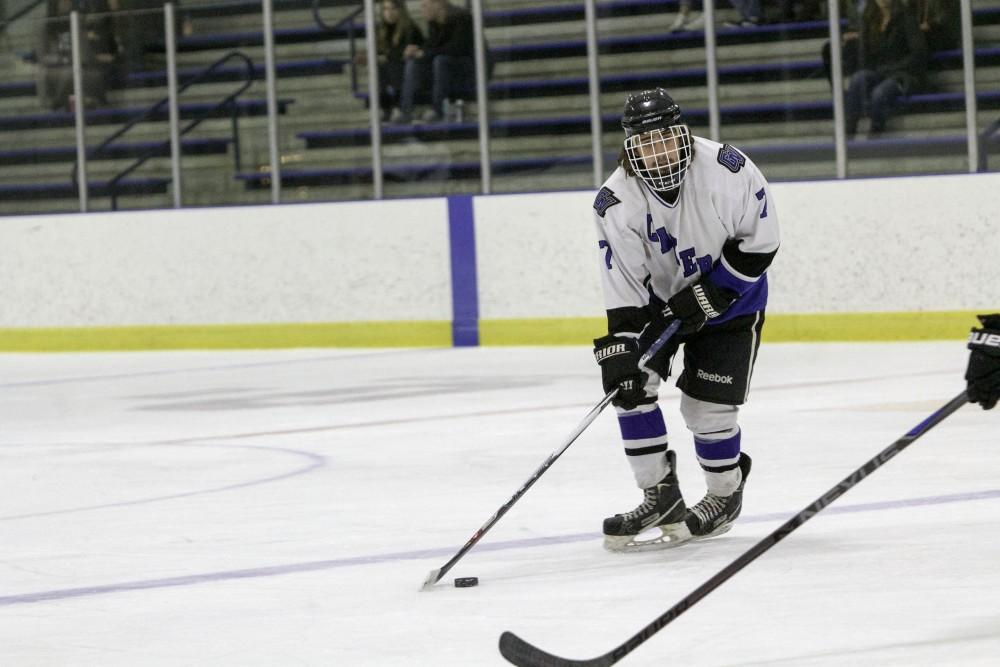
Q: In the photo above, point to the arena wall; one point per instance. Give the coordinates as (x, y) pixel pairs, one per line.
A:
(873, 259)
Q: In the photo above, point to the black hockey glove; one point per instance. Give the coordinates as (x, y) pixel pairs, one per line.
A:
(983, 373)
(696, 304)
(618, 357)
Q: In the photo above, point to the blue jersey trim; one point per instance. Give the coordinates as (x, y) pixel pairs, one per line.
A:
(753, 300)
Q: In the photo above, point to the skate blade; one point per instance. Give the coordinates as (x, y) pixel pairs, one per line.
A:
(725, 528)
(670, 536)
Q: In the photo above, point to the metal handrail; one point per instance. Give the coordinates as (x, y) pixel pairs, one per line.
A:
(346, 23)
(155, 108)
(348, 20)
(21, 13)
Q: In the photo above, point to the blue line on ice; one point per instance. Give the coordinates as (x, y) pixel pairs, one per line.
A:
(277, 570)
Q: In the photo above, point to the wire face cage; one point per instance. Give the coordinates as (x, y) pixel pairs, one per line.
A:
(660, 157)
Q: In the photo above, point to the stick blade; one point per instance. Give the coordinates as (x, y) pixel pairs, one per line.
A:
(432, 578)
(521, 653)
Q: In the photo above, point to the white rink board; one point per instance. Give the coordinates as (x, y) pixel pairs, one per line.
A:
(847, 246)
(535, 256)
(867, 245)
(890, 244)
(301, 263)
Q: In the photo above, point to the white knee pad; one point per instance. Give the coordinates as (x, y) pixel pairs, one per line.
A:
(709, 421)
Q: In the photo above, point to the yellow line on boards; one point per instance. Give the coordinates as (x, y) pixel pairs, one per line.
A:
(825, 327)
(820, 327)
(829, 327)
(227, 336)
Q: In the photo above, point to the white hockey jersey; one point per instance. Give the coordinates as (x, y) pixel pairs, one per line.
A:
(722, 226)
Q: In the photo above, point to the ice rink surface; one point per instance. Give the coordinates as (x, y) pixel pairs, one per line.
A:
(283, 508)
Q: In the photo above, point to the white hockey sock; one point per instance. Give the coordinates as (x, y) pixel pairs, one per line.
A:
(649, 469)
(723, 484)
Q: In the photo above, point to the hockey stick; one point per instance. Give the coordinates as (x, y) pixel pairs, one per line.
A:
(436, 575)
(521, 653)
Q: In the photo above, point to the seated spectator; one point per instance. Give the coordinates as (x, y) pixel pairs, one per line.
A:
(396, 30)
(893, 58)
(687, 19)
(940, 22)
(751, 15)
(793, 11)
(851, 10)
(98, 53)
(750, 12)
(446, 61)
(139, 29)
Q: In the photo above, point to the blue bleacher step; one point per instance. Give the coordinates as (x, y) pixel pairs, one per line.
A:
(290, 69)
(406, 173)
(725, 36)
(885, 148)
(491, 18)
(522, 127)
(68, 189)
(51, 154)
(158, 78)
(546, 14)
(861, 149)
(111, 116)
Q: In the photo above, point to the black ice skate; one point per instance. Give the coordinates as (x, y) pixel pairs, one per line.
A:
(714, 515)
(663, 507)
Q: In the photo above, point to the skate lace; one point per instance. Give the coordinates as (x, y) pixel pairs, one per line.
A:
(709, 507)
(648, 503)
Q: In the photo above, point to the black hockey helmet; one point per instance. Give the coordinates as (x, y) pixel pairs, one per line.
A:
(649, 110)
(657, 140)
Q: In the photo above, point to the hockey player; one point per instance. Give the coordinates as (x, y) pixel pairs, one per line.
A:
(686, 230)
(983, 373)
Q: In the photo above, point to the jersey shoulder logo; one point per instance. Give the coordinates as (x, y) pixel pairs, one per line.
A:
(731, 159)
(605, 199)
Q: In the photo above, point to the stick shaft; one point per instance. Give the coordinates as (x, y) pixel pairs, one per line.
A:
(436, 575)
(519, 652)
(546, 464)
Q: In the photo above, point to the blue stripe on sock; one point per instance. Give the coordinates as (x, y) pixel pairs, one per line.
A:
(717, 450)
(642, 426)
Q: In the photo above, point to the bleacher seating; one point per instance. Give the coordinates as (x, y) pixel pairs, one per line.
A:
(97, 188)
(775, 105)
(762, 114)
(117, 116)
(116, 151)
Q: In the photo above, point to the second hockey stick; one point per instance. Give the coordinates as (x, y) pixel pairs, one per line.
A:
(523, 654)
(436, 575)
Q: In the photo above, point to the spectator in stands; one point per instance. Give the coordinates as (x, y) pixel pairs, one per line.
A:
(98, 53)
(893, 57)
(751, 15)
(446, 60)
(792, 11)
(396, 31)
(750, 11)
(686, 18)
(139, 30)
(939, 20)
(849, 50)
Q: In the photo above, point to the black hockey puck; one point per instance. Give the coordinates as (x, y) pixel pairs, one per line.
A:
(466, 582)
